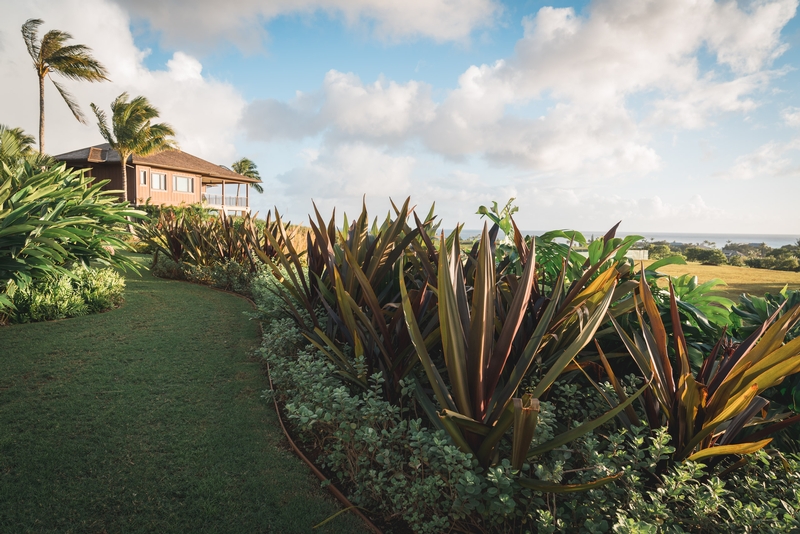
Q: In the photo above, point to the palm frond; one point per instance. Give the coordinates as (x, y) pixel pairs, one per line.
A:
(102, 124)
(30, 35)
(71, 103)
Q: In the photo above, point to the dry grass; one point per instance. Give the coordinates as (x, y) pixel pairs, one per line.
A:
(739, 279)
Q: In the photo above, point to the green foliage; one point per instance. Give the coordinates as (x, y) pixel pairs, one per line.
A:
(658, 251)
(192, 236)
(736, 260)
(706, 412)
(246, 167)
(51, 218)
(761, 263)
(80, 292)
(132, 131)
(399, 468)
(706, 256)
(52, 55)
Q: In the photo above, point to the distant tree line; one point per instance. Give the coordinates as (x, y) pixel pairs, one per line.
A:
(757, 256)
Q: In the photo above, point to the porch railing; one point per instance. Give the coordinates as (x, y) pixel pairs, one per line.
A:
(232, 202)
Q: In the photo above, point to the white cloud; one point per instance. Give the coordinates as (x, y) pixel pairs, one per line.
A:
(584, 70)
(771, 160)
(205, 22)
(791, 116)
(383, 110)
(346, 171)
(203, 111)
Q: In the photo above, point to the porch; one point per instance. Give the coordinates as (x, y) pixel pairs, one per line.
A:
(226, 196)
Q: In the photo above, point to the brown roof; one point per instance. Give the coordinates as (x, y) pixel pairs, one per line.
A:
(170, 159)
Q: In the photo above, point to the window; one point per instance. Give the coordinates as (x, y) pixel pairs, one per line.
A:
(158, 181)
(143, 178)
(183, 184)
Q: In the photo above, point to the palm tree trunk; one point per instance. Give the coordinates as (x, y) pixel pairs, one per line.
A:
(124, 162)
(41, 114)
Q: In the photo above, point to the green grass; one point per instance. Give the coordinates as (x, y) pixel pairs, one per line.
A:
(738, 279)
(148, 418)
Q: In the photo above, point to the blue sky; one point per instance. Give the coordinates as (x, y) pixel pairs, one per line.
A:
(681, 116)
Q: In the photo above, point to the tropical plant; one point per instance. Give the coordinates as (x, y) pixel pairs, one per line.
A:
(192, 237)
(132, 132)
(751, 313)
(705, 413)
(15, 149)
(53, 55)
(50, 218)
(246, 167)
(490, 345)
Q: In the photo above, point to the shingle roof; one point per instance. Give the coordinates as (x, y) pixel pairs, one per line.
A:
(170, 159)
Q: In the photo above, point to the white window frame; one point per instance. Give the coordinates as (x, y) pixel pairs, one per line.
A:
(161, 183)
(143, 177)
(189, 182)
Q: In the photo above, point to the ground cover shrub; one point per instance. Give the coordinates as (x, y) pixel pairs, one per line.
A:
(52, 218)
(80, 292)
(761, 263)
(505, 346)
(396, 466)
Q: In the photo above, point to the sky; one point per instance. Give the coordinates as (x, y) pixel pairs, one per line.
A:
(679, 116)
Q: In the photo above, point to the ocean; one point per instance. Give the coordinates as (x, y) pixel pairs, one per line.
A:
(718, 240)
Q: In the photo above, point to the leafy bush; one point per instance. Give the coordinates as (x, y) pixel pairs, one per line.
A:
(706, 256)
(736, 260)
(80, 292)
(228, 274)
(395, 467)
(760, 263)
(658, 251)
(52, 218)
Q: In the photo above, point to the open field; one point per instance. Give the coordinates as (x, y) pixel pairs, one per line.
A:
(148, 418)
(739, 279)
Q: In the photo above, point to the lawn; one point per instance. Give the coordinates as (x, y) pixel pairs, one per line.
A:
(148, 418)
(739, 279)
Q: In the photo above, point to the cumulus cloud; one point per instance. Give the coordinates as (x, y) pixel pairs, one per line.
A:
(383, 110)
(347, 171)
(241, 21)
(791, 116)
(770, 160)
(203, 111)
(582, 70)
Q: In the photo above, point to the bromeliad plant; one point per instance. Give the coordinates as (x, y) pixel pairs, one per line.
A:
(705, 413)
(489, 345)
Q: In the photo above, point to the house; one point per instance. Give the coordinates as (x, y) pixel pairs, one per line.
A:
(168, 178)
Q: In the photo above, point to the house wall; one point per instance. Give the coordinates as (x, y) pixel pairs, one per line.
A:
(170, 197)
(106, 171)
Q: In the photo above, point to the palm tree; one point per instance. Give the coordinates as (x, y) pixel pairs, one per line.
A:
(52, 54)
(16, 148)
(133, 134)
(246, 167)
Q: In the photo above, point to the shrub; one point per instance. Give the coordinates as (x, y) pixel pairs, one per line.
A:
(656, 252)
(760, 263)
(80, 292)
(398, 468)
(736, 260)
(706, 256)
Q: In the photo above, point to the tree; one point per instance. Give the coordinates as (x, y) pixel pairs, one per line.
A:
(16, 148)
(52, 54)
(132, 132)
(246, 167)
